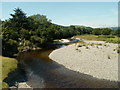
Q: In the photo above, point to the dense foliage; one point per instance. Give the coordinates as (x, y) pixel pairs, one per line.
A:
(21, 32)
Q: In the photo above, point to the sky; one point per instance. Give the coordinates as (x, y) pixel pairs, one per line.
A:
(93, 14)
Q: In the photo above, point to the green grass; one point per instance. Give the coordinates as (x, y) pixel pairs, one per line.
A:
(106, 38)
(87, 37)
(8, 65)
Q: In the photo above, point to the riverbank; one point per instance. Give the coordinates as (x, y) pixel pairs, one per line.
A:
(12, 76)
(95, 58)
(7, 65)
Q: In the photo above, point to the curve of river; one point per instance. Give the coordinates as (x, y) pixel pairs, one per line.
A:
(43, 72)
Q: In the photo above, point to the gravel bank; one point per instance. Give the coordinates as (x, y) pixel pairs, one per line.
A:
(100, 61)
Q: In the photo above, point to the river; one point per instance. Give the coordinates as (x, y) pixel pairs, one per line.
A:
(43, 72)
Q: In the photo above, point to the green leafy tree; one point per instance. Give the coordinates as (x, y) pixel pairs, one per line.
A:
(97, 31)
(9, 47)
(40, 19)
(19, 20)
(24, 34)
(106, 31)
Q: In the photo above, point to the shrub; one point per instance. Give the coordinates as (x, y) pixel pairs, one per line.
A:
(9, 48)
(84, 45)
(97, 46)
(118, 51)
(108, 57)
(105, 45)
(92, 44)
(113, 49)
(87, 47)
(79, 45)
(76, 49)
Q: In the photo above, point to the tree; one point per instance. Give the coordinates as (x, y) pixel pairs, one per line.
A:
(24, 34)
(97, 31)
(106, 31)
(40, 19)
(11, 32)
(19, 20)
(9, 47)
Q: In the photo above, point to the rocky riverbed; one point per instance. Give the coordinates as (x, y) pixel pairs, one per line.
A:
(97, 58)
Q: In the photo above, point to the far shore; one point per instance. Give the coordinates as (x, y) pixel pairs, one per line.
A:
(97, 58)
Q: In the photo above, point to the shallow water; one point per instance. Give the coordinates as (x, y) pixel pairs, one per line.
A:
(43, 72)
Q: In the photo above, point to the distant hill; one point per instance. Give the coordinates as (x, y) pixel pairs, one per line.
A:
(114, 28)
(88, 27)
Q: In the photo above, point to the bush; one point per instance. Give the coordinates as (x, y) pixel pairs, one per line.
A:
(9, 48)
(99, 44)
(108, 57)
(114, 49)
(118, 51)
(87, 47)
(79, 45)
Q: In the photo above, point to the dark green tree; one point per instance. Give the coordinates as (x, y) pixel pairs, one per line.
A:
(97, 31)
(19, 20)
(106, 31)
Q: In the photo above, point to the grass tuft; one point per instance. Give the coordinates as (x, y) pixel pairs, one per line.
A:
(108, 57)
(87, 47)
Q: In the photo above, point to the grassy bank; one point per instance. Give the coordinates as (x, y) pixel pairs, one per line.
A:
(8, 65)
(106, 38)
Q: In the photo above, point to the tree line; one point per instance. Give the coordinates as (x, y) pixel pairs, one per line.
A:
(21, 32)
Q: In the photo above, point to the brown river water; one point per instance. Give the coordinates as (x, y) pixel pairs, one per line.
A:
(42, 72)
